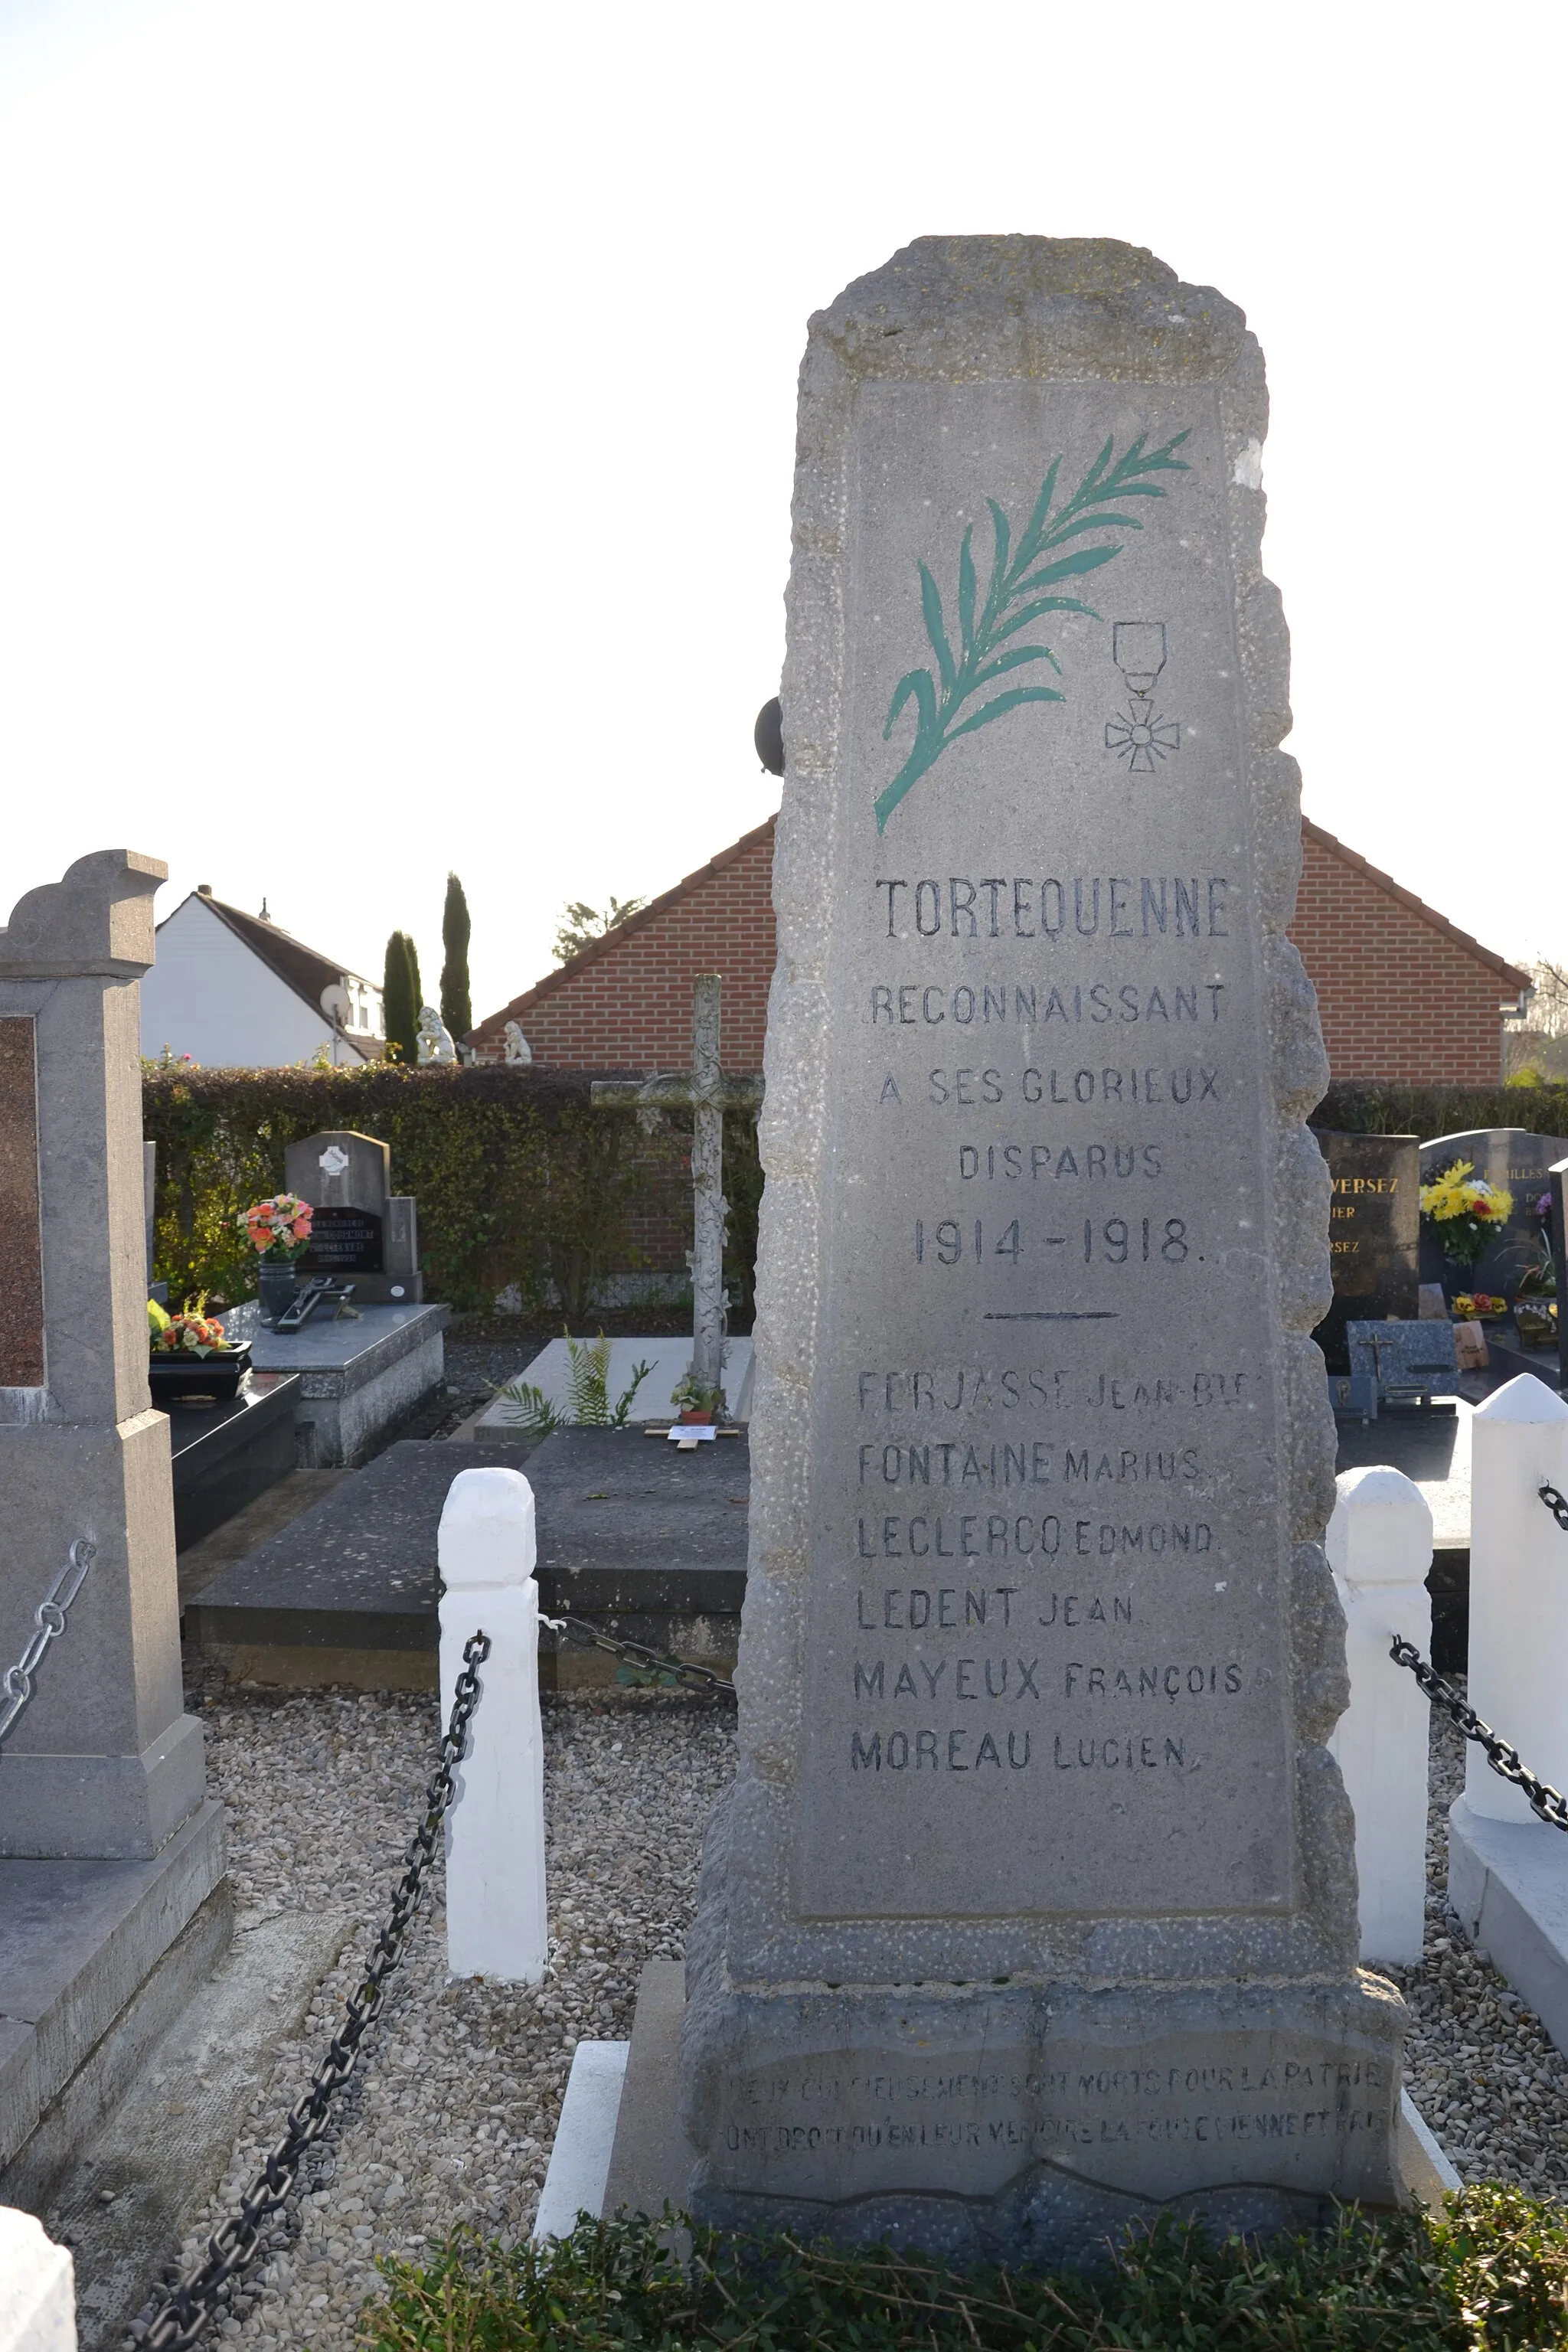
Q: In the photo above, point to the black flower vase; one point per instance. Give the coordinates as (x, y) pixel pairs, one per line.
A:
(275, 1282)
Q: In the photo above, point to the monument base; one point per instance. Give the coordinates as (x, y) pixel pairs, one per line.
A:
(358, 1377)
(78, 1941)
(1026, 2121)
(652, 2160)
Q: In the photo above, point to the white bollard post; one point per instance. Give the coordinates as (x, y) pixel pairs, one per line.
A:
(1519, 1592)
(1379, 1548)
(37, 2288)
(495, 1918)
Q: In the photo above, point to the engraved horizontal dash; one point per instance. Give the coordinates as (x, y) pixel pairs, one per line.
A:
(1042, 1315)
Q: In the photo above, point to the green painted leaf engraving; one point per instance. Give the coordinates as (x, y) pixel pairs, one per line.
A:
(1014, 601)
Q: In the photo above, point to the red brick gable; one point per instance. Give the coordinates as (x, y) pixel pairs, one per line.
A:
(1403, 995)
(624, 1002)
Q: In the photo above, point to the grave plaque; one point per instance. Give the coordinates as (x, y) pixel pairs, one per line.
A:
(1374, 1233)
(1521, 1162)
(344, 1241)
(362, 1231)
(1033, 1907)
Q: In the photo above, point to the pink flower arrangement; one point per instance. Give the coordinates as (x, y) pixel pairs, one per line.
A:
(277, 1228)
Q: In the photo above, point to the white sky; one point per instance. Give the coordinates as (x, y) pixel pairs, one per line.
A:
(397, 414)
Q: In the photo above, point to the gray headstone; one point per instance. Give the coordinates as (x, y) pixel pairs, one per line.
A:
(1522, 1163)
(1414, 1359)
(346, 1178)
(1375, 1232)
(1034, 1906)
(362, 1231)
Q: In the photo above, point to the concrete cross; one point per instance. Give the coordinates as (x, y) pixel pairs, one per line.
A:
(708, 1094)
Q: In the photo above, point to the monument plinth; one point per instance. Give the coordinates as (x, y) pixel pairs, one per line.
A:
(1034, 1906)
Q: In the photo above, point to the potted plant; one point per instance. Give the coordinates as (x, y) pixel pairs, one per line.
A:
(191, 1356)
(1463, 1212)
(695, 1406)
(280, 1232)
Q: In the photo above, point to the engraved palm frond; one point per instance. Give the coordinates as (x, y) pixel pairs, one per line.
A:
(1018, 594)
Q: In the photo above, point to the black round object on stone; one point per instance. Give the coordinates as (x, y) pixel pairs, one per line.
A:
(768, 736)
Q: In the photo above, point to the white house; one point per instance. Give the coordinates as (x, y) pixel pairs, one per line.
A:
(234, 992)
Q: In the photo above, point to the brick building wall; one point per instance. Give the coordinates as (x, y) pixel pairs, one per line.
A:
(1403, 995)
(625, 1001)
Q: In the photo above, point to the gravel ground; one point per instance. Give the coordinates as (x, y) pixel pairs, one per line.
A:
(1478, 2061)
(453, 2112)
(451, 2116)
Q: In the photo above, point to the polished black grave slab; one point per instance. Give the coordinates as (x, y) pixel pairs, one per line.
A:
(631, 1533)
(224, 1455)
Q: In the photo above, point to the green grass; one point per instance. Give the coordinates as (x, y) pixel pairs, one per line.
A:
(1490, 2275)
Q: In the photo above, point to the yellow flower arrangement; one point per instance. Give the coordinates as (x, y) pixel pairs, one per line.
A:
(1464, 1211)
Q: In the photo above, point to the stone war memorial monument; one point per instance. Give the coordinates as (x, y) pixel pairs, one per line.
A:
(1032, 1909)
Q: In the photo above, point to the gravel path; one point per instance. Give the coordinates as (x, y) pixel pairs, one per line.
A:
(452, 2114)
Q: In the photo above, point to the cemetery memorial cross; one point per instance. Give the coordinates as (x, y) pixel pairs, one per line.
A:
(708, 1094)
(1033, 1907)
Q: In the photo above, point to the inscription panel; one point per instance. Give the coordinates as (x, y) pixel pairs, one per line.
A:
(1046, 1671)
(1101, 2098)
(344, 1240)
(21, 1237)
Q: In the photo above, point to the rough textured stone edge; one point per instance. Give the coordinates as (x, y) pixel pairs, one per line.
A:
(165, 1896)
(960, 309)
(81, 2105)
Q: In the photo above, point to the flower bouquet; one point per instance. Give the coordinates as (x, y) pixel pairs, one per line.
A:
(1470, 1306)
(279, 1230)
(1540, 1280)
(1464, 1212)
(191, 1356)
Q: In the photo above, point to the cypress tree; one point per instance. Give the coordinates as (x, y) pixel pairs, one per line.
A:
(400, 997)
(456, 1002)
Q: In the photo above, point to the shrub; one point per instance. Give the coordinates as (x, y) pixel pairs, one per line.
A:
(1490, 2275)
(1369, 1108)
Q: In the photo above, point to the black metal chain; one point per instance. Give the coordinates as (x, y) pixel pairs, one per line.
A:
(1556, 1504)
(185, 2309)
(636, 1654)
(48, 1623)
(1547, 1803)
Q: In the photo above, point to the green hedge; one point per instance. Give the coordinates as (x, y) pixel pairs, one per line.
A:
(519, 1180)
(1366, 1108)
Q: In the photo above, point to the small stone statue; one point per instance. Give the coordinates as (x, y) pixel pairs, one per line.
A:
(435, 1037)
(518, 1048)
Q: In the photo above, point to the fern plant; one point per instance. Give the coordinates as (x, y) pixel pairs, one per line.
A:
(588, 1402)
(1014, 599)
